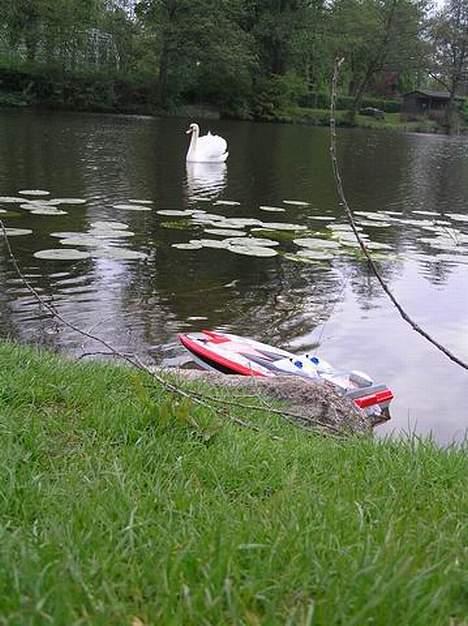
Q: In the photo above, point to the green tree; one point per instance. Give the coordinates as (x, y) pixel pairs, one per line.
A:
(450, 54)
(374, 36)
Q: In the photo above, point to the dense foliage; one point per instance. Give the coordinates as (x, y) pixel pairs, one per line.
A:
(247, 57)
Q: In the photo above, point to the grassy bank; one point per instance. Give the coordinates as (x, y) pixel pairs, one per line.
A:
(120, 506)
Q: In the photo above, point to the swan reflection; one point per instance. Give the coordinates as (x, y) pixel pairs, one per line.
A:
(206, 179)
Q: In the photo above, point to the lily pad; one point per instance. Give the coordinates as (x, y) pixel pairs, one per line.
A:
(272, 209)
(321, 218)
(17, 232)
(68, 201)
(131, 207)
(120, 254)
(81, 241)
(458, 217)
(277, 235)
(227, 202)
(11, 200)
(343, 228)
(141, 201)
(191, 245)
(240, 222)
(211, 243)
(417, 212)
(254, 241)
(47, 211)
(310, 242)
(225, 232)
(175, 212)
(372, 215)
(375, 224)
(283, 226)
(62, 254)
(296, 202)
(34, 192)
(257, 251)
(377, 245)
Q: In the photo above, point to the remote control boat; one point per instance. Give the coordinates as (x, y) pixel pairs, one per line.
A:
(231, 354)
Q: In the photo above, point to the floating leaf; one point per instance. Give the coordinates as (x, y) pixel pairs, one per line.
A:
(345, 228)
(34, 192)
(321, 218)
(254, 241)
(311, 242)
(425, 212)
(120, 254)
(68, 201)
(131, 207)
(272, 209)
(376, 245)
(410, 222)
(141, 201)
(375, 224)
(17, 232)
(240, 222)
(47, 211)
(458, 217)
(283, 226)
(225, 232)
(82, 240)
(199, 199)
(191, 245)
(252, 251)
(373, 215)
(211, 243)
(10, 199)
(175, 212)
(62, 254)
(227, 202)
(296, 202)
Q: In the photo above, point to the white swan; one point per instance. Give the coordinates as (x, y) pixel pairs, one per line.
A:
(207, 149)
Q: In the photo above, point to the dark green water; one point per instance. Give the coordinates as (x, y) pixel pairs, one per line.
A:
(334, 306)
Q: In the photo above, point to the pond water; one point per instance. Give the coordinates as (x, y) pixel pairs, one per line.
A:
(109, 176)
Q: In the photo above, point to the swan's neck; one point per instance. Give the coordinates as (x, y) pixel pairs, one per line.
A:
(193, 144)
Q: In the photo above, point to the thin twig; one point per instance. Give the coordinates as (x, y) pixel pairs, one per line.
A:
(349, 214)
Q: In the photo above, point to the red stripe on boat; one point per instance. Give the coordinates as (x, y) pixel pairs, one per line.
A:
(197, 349)
(381, 397)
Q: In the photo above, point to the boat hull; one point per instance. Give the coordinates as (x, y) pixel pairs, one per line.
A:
(231, 354)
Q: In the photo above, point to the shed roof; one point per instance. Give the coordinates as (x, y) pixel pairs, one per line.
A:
(429, 93)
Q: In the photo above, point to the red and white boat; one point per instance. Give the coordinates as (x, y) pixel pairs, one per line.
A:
(231, 354)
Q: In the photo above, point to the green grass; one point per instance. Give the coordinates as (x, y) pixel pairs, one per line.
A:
(121, 506)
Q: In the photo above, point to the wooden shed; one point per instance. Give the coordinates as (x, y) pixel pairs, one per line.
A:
(426, 101)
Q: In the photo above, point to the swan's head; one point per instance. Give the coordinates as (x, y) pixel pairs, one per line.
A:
(193, 128)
